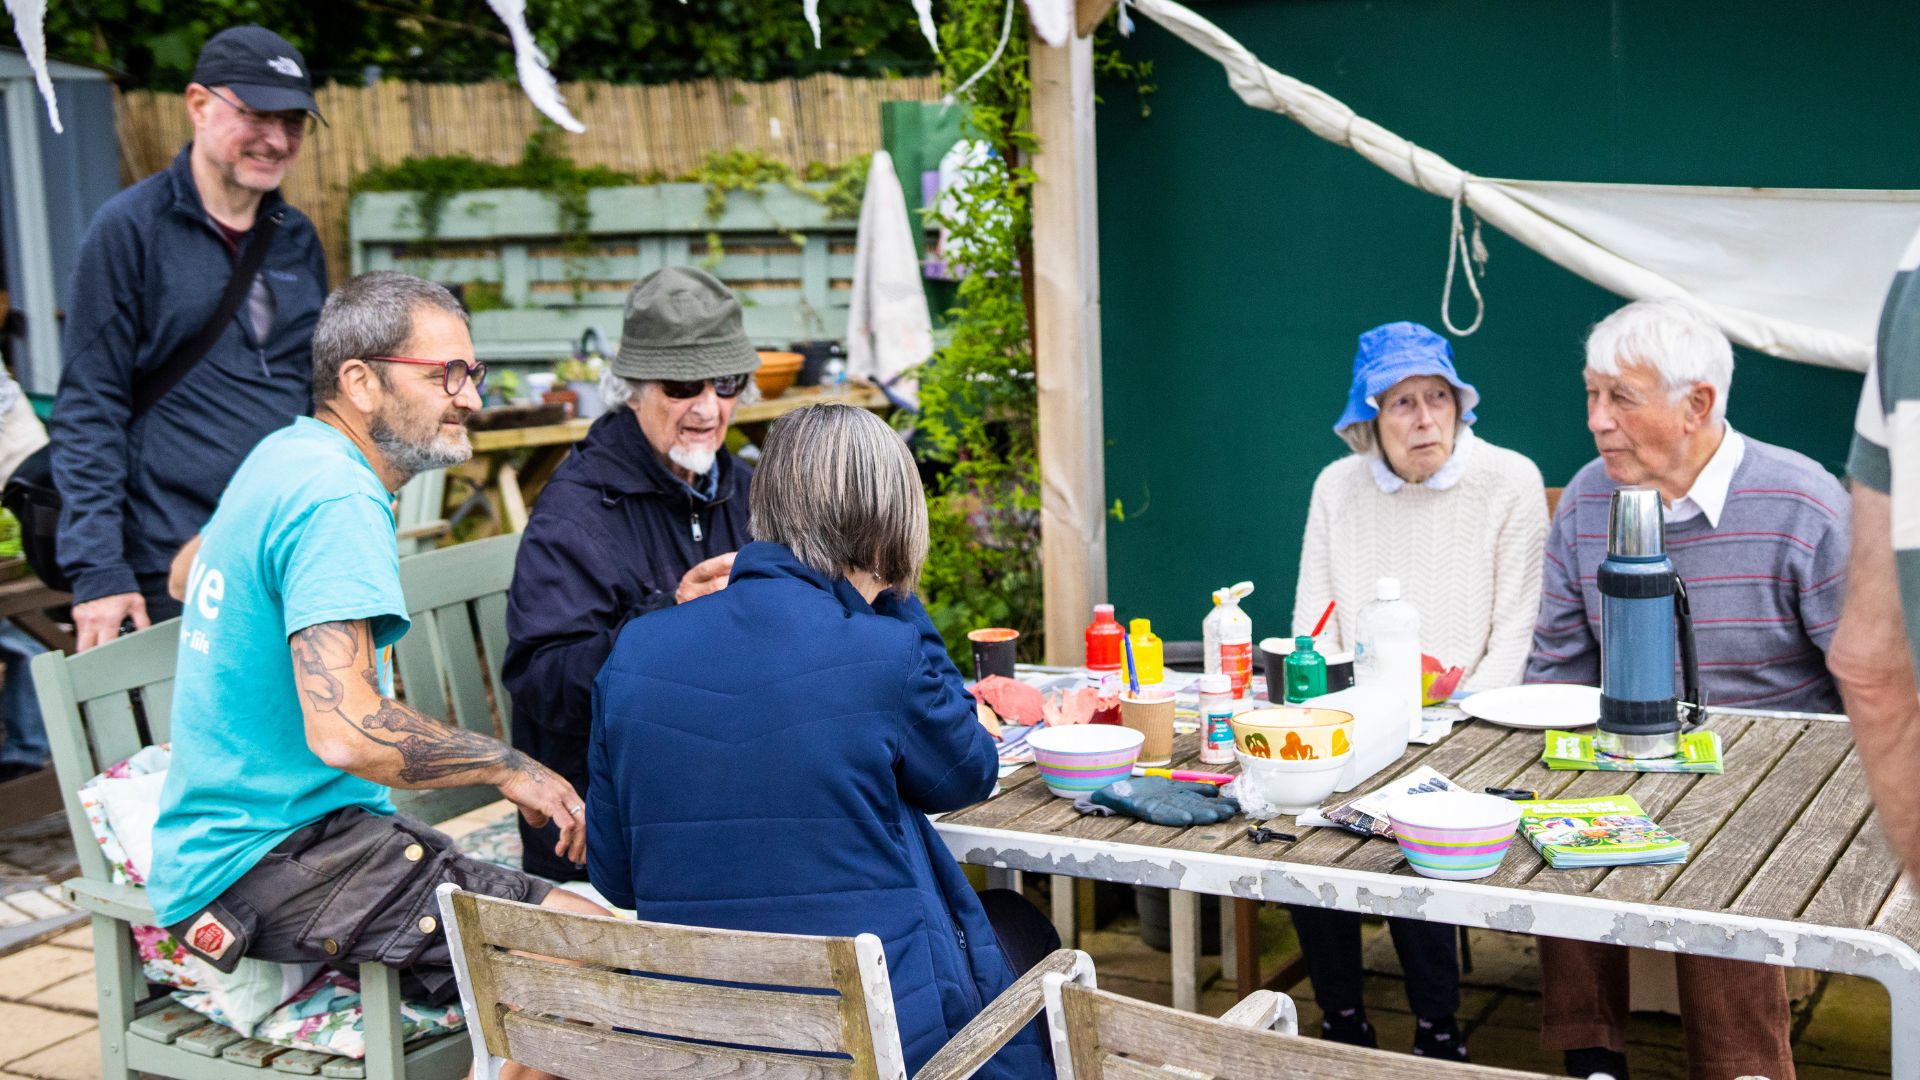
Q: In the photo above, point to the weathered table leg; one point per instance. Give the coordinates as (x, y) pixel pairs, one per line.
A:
(1066, 903)
(1000, 877)
(1184, 909)
(1229, 936)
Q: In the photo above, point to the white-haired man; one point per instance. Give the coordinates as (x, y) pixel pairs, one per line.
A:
(1760, 535)
(646, 514)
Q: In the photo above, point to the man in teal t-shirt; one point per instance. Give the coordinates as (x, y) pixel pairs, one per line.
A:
(276, 836)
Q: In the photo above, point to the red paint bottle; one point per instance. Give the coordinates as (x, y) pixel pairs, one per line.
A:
(1106, 641)
(1106, 649)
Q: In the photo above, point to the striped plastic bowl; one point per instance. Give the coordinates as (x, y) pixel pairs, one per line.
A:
(1456, 835)
(1079, 758)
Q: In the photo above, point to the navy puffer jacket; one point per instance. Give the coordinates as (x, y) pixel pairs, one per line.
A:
(765, 758)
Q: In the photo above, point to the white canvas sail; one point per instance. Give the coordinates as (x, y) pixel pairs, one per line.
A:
(1795, 273)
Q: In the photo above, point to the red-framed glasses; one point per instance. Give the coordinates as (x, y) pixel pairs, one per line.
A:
(454, 373)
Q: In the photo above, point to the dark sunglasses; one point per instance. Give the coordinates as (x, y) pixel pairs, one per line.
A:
(453, 373)
(725, 386)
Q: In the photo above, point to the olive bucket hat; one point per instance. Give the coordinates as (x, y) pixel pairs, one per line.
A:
(683, 324)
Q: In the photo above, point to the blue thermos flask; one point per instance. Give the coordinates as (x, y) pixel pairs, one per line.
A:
(1641, 601)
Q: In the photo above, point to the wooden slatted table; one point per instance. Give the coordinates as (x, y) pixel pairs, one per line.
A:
(1788, 864)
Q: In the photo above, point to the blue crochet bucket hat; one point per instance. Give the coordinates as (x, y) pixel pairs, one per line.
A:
(1393, 352)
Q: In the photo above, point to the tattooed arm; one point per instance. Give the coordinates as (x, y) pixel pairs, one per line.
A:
(353, 727)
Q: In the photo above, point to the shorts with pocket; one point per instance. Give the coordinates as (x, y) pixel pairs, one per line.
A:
(353, 886)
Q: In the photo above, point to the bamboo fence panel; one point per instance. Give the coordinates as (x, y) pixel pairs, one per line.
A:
(669, 128)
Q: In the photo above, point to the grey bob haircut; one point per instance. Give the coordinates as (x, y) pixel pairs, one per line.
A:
(839, 488)
(370, 315)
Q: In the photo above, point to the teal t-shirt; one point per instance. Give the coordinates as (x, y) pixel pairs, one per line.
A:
(303, 535)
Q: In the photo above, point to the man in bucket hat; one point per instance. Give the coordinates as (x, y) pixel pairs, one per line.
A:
(139, 467)
(646, 513)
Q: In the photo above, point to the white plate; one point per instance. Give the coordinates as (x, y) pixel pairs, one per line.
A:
(1537, 706)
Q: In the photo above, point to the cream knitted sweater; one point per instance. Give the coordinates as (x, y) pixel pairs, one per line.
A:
(1468, 558)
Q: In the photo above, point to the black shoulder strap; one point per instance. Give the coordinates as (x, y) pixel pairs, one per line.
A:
(150, 390)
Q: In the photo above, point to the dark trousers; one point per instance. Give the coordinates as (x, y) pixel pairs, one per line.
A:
(1429, 954)
(1024, 932)
(1026, 935)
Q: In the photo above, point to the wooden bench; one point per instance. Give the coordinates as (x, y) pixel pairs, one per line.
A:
(560, 992)
(1102, 1036)
(789, 262)
(103, 705)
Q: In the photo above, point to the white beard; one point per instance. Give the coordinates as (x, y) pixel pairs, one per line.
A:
(698, 461)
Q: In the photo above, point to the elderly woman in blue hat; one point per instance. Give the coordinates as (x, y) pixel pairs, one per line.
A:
(1462, 524)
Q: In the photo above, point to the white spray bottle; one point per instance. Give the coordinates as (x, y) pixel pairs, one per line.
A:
(1227, 634)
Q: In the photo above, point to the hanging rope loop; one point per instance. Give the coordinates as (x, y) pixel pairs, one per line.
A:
(1465, 249)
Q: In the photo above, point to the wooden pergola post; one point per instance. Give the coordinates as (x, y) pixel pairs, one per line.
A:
(1066, 257)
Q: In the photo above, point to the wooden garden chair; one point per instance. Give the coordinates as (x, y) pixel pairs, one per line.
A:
(92, 722)
(571, 993)
(449, 662)
(89, 704)
(1102, 1036)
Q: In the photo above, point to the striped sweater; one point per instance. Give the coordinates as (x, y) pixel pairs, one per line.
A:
(1766, 583)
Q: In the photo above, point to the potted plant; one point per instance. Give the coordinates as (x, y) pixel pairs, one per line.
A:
(582, 377)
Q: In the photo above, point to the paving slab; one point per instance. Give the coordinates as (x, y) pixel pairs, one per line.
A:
(30, 1030)
(29, 971)
(74, 1058)
(1849, 1026)
(1513, 1048)
(1832, 1072)
(75, 995)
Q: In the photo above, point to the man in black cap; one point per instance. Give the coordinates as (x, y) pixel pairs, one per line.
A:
(139, 475)
(645, 514)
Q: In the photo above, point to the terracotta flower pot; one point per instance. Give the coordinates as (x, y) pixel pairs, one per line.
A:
(777, 372)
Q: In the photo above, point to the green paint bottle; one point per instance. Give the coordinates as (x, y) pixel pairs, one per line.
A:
(1306, 671)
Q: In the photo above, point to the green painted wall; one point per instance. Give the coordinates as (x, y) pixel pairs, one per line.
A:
(1241, 256)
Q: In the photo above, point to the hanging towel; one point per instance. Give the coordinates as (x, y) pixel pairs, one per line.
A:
(889, 330)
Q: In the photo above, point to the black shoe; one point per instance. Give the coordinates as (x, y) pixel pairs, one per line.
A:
(14, 770)
(1349, 1026)
(1439, 1039)
(1595, 1061)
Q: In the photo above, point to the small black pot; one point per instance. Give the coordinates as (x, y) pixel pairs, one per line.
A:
(816, 354)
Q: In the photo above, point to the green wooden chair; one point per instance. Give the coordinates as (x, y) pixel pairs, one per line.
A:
(449, 663)
(93, 721)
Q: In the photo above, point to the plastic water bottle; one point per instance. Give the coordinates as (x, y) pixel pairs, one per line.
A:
(1387, 651)
(1227, 637)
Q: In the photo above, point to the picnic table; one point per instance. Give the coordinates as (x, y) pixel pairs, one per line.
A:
(515, 485)
(1788, 863)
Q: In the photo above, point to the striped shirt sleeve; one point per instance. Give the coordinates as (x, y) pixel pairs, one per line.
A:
(1564, 648)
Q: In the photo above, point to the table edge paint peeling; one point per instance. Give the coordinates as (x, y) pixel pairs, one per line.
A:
(1860, 951)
